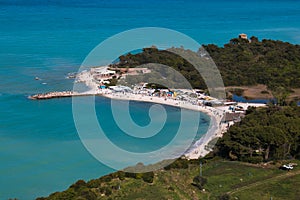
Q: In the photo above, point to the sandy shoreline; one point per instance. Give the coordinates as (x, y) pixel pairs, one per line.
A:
(200, 148)
(215, 130)
(216, 114)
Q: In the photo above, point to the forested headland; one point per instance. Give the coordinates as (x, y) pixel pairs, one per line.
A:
(241, 62)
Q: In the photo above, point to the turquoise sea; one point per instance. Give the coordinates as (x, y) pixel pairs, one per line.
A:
(40, 151)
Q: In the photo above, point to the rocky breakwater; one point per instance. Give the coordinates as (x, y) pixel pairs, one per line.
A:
(51, 95)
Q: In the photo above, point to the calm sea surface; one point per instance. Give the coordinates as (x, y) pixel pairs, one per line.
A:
(40, 151)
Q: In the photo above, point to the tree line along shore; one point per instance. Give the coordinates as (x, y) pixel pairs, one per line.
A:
(272, 65)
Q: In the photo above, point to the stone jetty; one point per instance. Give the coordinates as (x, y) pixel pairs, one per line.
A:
(51, 95)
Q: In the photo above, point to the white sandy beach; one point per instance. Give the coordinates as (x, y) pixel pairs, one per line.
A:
(216, 115)
(216, 129)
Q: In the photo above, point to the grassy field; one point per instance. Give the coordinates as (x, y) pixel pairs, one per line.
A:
(286, 186)
(236, 179)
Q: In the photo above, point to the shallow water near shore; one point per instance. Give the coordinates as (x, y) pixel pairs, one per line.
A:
(40, 150)
(47, 155)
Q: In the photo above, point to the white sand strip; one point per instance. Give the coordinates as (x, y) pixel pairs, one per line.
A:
(216, 115)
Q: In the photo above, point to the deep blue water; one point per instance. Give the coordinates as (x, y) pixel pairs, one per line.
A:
(40, 150)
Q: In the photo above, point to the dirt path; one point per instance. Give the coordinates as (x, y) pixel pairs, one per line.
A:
(281, 176)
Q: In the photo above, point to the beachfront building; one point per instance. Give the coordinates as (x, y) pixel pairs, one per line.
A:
(230, 118)
(102, 74)
(126, 71)
(120, 89)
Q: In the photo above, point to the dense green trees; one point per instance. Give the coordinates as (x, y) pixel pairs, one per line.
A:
(153, 55)
(269, 62)
(241, 63)
(265, 134)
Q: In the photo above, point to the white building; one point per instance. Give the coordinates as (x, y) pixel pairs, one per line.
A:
(102, 74)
